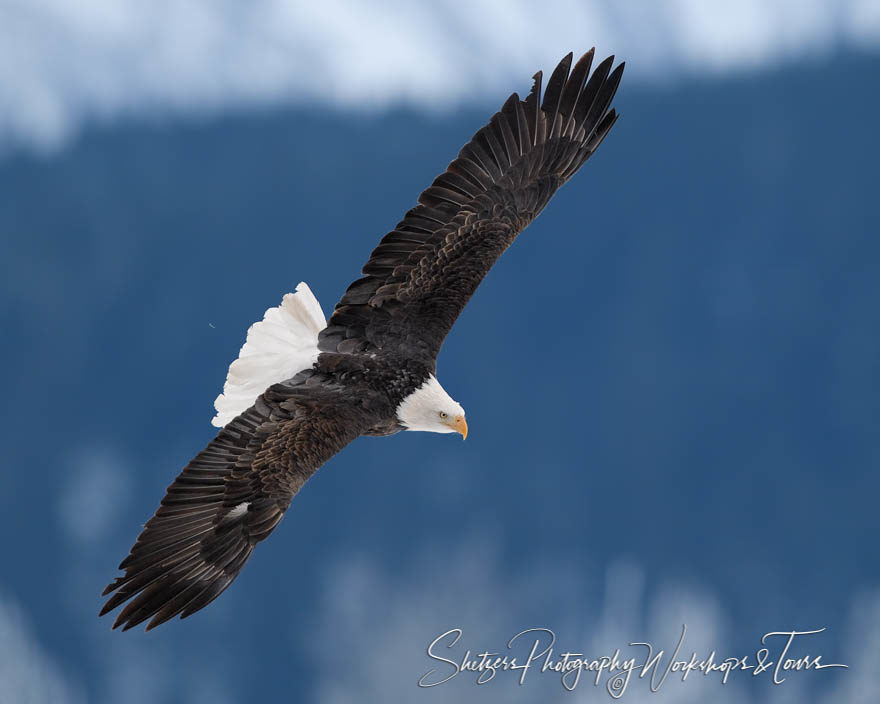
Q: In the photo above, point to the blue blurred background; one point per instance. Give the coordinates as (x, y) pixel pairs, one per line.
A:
(671, 379)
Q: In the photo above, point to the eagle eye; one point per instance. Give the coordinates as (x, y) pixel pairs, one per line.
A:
(443, 414)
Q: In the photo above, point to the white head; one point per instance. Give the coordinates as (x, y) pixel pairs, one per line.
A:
(430, 408)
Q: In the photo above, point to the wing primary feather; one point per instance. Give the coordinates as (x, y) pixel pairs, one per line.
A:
(591, 91)
(602, 130)
(603, 100)
(482, 157)
(511, 123)
(157, 594)
(522, 127)
(167, 557)
(553, 95)
(532, 105)
(169, 547)
(202, 599)
(573, 90)
(588, 149)
(495, 149)
(469, 168)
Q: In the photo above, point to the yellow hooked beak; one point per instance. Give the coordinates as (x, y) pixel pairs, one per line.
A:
(460, 426)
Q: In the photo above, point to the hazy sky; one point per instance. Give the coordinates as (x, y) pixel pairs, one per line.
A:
(63, 64)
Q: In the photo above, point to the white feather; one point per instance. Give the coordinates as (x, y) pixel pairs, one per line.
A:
(421, 409)
(237, 511)
(283, 343)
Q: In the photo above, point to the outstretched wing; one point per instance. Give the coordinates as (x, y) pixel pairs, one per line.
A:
(423, 273)
(225, 501)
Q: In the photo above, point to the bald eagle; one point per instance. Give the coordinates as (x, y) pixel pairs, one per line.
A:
(303, 388)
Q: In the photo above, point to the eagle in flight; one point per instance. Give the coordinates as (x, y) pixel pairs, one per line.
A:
(303, 388)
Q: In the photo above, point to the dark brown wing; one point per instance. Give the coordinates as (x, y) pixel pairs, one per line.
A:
(423, 273)
(198, 540)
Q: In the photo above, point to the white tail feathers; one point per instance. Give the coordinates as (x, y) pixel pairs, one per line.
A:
(283, 343)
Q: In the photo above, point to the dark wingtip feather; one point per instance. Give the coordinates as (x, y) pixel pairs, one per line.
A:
(534, 96)
(555, 84)
(533, 107)
(604, 66)
(574, 86)
(109, 606)
(587, 99)
(616, 75)
(509, 111)
(602, 102)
